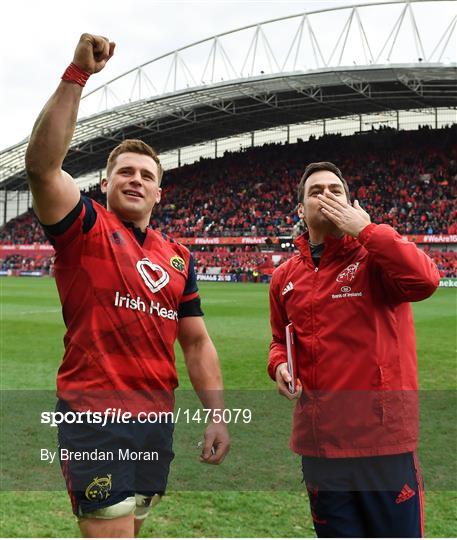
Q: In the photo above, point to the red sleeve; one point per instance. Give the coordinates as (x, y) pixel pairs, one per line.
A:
(278, 321)
(80, 220)
(408, 274)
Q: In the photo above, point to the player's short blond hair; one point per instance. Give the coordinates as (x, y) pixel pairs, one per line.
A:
(137, 147)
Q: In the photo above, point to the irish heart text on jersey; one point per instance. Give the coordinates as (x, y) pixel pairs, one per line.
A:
(149, 306)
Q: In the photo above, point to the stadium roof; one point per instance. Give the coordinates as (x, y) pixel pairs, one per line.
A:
(254, 78)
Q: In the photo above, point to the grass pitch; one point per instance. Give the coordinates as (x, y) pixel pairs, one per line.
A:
(237, 318)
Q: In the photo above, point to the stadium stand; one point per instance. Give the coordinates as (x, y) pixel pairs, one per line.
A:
(26, 264)
(406, 179)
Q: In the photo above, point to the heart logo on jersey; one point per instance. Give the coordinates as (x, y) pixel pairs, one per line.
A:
(144, 267)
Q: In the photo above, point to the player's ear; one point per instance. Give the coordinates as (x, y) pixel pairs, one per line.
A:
(301, 211)
(159, 195)
(104, 185)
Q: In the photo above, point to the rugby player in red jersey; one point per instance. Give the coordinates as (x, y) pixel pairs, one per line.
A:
(127, 292)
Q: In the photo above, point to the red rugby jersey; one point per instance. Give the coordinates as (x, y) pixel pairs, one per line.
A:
(121, 301)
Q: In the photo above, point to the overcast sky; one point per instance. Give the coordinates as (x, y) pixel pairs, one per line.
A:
(38, 39)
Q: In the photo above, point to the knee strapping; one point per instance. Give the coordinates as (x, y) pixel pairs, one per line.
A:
(144, 503)
(120, 509)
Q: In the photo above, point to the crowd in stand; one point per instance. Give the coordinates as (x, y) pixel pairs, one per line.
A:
(225, 261)
(235, 261)
(445, 260)
(26, 264)
(24, 229)
(405, 179)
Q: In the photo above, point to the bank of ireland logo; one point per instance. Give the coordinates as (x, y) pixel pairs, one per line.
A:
(345, 278)
(348, 274)
(153, 275)
(99, 489)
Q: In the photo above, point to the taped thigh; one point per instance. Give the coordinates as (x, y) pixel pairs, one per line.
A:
(144, 503)
(120, 509)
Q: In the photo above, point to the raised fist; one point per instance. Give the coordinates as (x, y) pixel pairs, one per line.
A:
(92, 52)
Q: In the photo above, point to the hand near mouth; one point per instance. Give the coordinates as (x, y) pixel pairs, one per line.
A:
(349, 219)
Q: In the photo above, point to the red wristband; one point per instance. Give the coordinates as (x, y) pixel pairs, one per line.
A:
(75, 74)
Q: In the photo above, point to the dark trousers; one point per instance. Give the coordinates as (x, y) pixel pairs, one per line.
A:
(368, 497)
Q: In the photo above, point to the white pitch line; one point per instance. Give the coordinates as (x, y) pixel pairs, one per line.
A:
(32, 311)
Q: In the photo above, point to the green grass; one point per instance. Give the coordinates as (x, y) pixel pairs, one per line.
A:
(237, 318)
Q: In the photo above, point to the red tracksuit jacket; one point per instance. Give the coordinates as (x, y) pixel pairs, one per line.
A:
(355, 341)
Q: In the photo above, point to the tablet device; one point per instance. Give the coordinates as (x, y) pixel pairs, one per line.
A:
(291, 357)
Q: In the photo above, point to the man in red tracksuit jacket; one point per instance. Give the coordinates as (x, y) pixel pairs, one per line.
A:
(347, 296)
